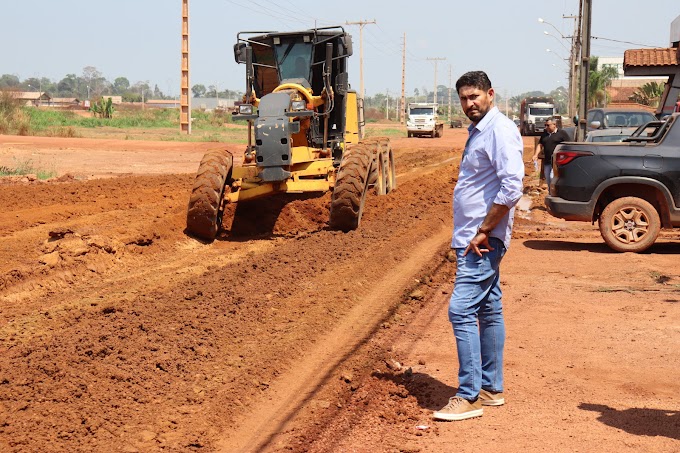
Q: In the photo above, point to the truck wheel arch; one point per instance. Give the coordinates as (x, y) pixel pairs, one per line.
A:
(647, 189)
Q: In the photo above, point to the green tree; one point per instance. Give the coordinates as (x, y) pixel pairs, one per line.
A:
(35, 84)
(648, 94)
(121, 85)
(68, 86)
(198, 90)
(515, 102)
(103, 108)
(598, 82)
(9, 81)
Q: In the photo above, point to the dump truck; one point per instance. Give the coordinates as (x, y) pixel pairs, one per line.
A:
(423, 120)
(533, 113)
(305, 132)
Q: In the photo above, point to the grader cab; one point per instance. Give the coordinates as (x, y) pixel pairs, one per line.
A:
(305, 129)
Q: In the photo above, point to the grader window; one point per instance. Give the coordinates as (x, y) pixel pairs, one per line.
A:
(294, 59)
(266, 78)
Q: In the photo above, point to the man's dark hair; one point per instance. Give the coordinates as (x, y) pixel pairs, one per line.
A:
(477, 79)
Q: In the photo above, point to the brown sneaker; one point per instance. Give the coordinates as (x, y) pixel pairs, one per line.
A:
(459, 409)
(489, 398)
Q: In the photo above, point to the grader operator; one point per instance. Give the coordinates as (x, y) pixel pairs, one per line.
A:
(305, 128)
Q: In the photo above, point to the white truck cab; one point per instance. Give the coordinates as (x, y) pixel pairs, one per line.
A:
(423, 120)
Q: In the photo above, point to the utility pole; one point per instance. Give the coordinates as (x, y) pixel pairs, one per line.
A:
(185, 99)
(361, 24)
(586, 20)
(403, 82)
(387, 106)
(449, 93)
(435, 75)
(573, 64)
(505, 95)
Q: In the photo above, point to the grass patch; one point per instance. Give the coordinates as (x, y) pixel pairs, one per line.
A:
(383, 132)
(28, 167)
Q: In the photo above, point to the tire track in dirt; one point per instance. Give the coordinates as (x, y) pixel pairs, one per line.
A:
(170, 344)
(258, 429)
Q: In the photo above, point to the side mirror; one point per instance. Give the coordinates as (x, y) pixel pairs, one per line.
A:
(575, 119)
(341, 83)
(347, 44)
(595, 124)
(240, 52)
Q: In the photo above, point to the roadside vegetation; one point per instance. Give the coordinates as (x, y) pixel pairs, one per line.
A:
(127, 123)
(28, 167)
(134, 123)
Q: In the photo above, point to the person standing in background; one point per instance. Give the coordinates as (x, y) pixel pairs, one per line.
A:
(547, 143)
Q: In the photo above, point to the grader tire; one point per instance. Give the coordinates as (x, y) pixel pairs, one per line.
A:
(381, 172)
(391, 177)
(204, 216)
(349, 194)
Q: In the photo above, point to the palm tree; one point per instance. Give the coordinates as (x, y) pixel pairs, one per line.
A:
(598, 81)
(514, 102)
(648, 94)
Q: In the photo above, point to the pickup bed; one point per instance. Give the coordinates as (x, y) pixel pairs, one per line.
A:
(632, 188)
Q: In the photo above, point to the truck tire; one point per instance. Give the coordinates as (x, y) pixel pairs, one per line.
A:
(204, 215)
(351, 185)
(629, 224)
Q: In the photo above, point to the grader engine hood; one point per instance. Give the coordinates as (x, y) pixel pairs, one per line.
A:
(273, 130)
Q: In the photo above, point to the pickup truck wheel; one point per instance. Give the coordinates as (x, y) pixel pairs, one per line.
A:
(629, 224)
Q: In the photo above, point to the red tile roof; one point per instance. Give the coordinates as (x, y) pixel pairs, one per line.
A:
(621, 94)
(651, 57)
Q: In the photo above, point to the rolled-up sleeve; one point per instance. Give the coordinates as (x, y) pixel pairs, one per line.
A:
(508, 161)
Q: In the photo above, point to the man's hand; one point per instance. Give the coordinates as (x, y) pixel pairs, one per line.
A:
(479, 244)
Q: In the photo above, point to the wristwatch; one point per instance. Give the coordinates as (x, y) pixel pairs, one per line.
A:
(484, 230)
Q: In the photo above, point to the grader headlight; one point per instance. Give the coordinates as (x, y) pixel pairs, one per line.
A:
(296, 106)
(245, 109)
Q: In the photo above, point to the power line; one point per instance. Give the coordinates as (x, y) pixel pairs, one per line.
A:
(623, 42)
(260, 11)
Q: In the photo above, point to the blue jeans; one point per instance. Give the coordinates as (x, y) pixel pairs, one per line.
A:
(548, 173)
(477, 298)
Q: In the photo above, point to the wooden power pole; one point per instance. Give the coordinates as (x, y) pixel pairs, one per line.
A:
(402, 109)
(449, 93)
(361, 24)
(185, 98)
(435, 75)
(586, 20)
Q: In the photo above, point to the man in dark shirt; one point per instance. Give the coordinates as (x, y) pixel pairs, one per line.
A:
(547, 143)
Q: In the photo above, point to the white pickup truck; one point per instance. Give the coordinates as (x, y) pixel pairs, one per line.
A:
(423, 120)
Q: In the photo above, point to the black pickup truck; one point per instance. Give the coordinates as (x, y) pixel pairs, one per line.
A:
(631, 188)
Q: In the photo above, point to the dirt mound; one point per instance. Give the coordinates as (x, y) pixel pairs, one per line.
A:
(281, 215)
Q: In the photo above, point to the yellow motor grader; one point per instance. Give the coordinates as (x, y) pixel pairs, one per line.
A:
(305, 128)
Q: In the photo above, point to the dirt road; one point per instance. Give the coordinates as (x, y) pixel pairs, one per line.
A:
(120, 333)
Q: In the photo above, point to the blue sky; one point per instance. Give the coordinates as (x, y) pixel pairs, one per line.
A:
(141, 39)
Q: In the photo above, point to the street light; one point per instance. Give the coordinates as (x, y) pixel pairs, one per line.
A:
(558, 40)
(546, 22)
(88, 92)
(564, 60)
